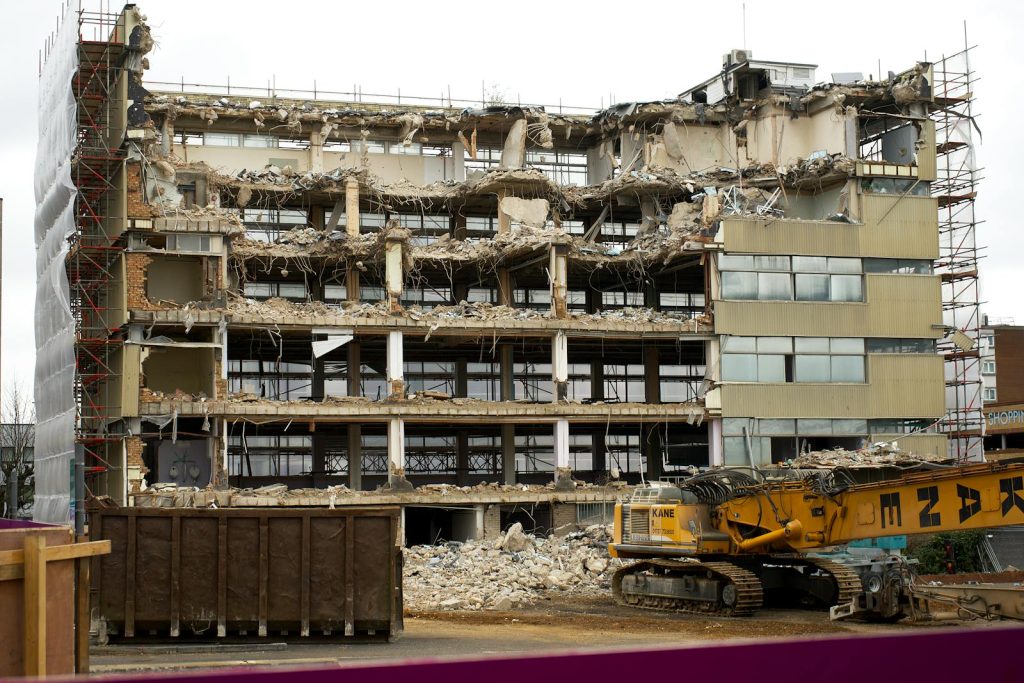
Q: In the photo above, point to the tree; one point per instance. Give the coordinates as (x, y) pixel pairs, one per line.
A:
(17, 446)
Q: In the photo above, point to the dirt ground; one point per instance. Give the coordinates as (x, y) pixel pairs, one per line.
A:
(550, 626)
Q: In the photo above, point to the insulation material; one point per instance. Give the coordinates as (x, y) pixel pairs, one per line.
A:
(54, 325)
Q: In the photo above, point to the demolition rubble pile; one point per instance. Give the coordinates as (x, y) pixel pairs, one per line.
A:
(880, 454)
(167, 495)
(512, 571)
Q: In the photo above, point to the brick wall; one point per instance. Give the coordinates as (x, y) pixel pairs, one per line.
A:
(134, 448)
(135, 272)
(563, 518)
(138, 207)
(220, 384)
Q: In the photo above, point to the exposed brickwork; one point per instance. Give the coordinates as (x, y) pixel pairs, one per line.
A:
(135, 273)
(138, 207)
(220, 384)
(134, 447)
(492, 521)
(563, 518)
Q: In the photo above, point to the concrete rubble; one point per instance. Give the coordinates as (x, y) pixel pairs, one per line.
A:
(279, 495)
(876, 455)
(507, 573)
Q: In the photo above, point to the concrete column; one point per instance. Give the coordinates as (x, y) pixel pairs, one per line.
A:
(651, 445)
(458, 226)
(598, 445)
(508, 454)
(504, 220)
(317, 389)
(354, 362)
(652, 298)
(513, 154)
(563, 471)
(316, 152)
(355, 456)
(461, 378)
(559, 367)
(352, 206)
(319, 452)
(396, 455)
(394, 276)
(508, 431)
(458, 161)
(352, 294)
(396, 365)
(166, 136)
(558, 272)
(505, 296)
(462, 457)
(716, 456)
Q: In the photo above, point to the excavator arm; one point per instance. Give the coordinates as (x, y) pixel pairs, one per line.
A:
(802, 517)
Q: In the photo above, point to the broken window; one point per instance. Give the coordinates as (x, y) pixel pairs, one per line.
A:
(261, 141)
(185, 138)
(901, 426)
(222, 139)
(280, 381)
(267, 225)
(270, 456)
(900, 186)
(776, 440)
(293, 291)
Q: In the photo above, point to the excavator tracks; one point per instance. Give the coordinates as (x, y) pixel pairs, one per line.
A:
(717, 588)
(848, 582)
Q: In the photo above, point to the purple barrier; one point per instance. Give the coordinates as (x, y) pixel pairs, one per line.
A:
(22, 524)
(979, 654)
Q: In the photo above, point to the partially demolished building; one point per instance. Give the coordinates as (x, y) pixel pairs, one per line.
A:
(313, 292)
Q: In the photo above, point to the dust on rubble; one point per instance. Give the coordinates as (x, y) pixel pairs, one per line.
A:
(510, 572)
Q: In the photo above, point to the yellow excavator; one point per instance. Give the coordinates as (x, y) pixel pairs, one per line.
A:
(726, 541)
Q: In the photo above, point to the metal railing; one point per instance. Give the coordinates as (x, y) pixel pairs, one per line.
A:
(354, 96)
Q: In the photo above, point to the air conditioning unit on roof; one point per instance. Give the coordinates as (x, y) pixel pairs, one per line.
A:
(737, 57)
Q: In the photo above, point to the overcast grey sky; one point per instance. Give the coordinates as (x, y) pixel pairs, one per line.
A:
(575, 52)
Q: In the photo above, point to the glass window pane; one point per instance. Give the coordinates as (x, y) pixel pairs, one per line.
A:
(810, 264)
(811, 427)
(925, 346)
(776, 426)
(259, 141)
(811, 344)
(739, 344)
(847, 288)
(739, 367)
(882, 346)
(844, 265)
(847, 345)
(771, 368)
(811, 287)
(739, 286)
(775, 345)
(735, 262)
(734, 450)
(811, 369)
(734, 425)
(847, 368)
(880, 265)
(292, 291)
(849, 426)
(774, 287)
(771, 263)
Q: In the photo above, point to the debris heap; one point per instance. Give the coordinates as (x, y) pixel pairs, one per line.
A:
(513, 571)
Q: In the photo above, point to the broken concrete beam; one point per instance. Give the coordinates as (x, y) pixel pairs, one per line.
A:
(529, 212)
(513, 154)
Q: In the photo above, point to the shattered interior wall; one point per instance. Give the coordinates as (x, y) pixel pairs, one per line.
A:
(55, 195)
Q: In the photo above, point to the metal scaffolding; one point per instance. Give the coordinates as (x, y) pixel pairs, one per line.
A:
(98, 242)
(956, 191)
